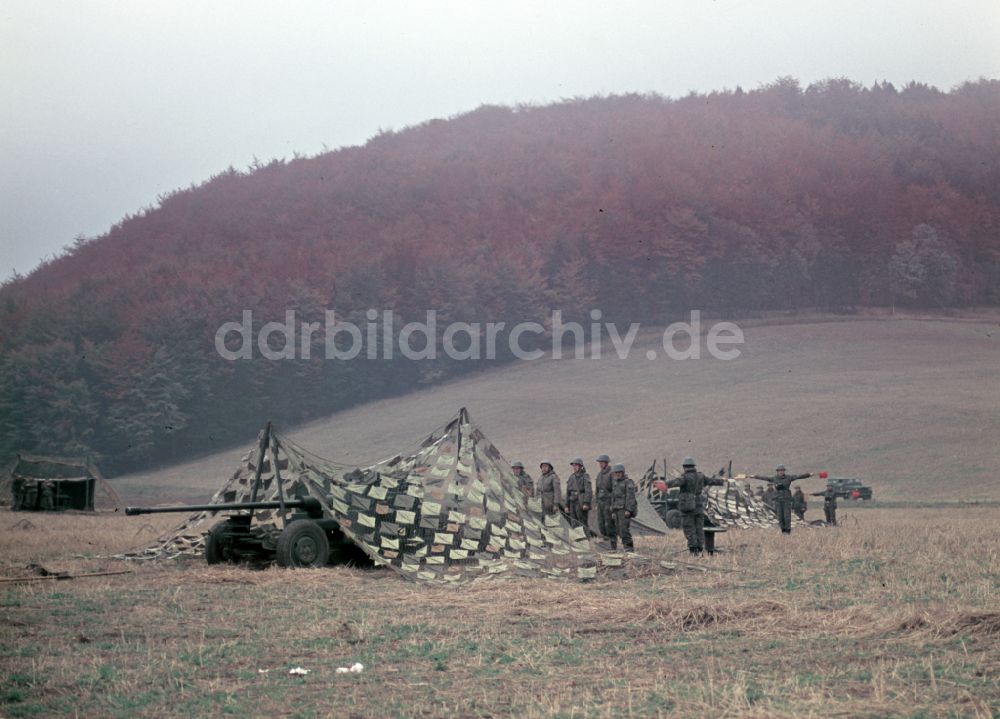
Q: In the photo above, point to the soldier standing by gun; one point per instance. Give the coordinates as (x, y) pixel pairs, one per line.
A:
(524, 481)
(549, 488)
(783, 494)
(602, 484)
(691, 503)
(623, 507)
(829, 503)
(799, 505)
(579, 495)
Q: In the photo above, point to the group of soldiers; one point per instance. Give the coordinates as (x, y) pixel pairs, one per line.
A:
(779, 498)
(32, 494)
(614, 497)
(612, 494)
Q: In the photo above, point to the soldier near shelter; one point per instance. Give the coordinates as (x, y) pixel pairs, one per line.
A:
(579, 495)
(782, 483)
(623, 507)
(602, 487)
(549, 488)
(799, 504)
(829, 503)
(47, 496)
(524, 481)
(17, 492)
(691, 503)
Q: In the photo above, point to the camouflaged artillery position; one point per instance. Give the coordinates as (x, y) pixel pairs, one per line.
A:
(448, 512)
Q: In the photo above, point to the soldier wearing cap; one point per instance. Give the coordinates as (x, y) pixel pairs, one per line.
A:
(691, 503)
(549, 488)
(623, 507)
(829, 503)
(602, 486)
(524, 481)
(579, 495)
(782, 483)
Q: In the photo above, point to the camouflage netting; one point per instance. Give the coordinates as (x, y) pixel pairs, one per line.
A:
(730, 506)
(449, 512)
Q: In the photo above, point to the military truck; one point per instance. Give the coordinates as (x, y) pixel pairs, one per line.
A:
(850, 488)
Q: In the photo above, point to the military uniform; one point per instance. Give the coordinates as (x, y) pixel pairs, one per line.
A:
(602, 485)
(47, 497)
(30, 500)
(829, 505)
(579, 497)
(691, 504)
(623, 508)
(526, 484)
(550, 490)
(783, 495)
(17, 492)
(799, 503)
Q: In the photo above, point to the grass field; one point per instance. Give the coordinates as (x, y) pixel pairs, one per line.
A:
(894, 613)
(907, 404)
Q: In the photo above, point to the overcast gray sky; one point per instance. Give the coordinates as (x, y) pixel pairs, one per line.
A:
(105, 105)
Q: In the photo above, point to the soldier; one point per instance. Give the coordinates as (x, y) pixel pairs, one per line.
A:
(623, 507)
(829, 503)
(602, 485)
(691, 503)
(579, 495)
(799, 504)
(782, 484)
(47, 496)
(30, 500)
(524, 481)
(768, 497)
(549, 489)
(17, 490)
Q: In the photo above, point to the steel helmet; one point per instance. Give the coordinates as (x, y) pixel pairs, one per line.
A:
(780, 468)
(517, 463)
(618, 468)
(576, 460)
(546, 461)
(688, 462)
(603, 458)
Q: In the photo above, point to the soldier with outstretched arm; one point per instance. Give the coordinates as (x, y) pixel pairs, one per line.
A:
(829, 503)
(579, 495)
(549, 488)
(691, 503)
(623, 507)
(782, 483)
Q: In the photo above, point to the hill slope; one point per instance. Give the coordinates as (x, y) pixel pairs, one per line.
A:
(908, 404)
(641, 206)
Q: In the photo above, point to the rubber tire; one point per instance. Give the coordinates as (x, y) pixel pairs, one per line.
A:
(673, 520)
(303, 543)
(214, 544)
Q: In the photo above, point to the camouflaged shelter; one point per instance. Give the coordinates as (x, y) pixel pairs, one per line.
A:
(446, 513)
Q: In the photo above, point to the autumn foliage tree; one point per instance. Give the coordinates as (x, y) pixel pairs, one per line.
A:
(832, 196)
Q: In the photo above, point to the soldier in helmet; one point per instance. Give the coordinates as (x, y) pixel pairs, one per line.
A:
(602, 485)
(579, 495)
(623, 507)
(782, 483)
(47, 496)
(524, 481)
(549, 488)
(799, 504)
(829, 503)
(17, 492)
(691, 503)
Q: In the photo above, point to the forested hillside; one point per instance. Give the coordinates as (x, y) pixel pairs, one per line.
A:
(835, 196)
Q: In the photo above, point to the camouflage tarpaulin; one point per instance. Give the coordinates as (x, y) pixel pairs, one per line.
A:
(448, 512)
(729, 506)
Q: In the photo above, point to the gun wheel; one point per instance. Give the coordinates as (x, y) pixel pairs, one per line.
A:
(674, 520)
(303, 543)
(217, 543)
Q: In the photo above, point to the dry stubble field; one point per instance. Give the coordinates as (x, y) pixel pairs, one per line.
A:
(895, 613)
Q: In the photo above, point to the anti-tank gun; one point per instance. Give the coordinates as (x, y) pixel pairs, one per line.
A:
(301, 533)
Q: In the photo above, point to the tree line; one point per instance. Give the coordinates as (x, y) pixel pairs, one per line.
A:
(835, 196)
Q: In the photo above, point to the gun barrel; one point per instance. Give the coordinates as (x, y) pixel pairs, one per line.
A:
(310, 504)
